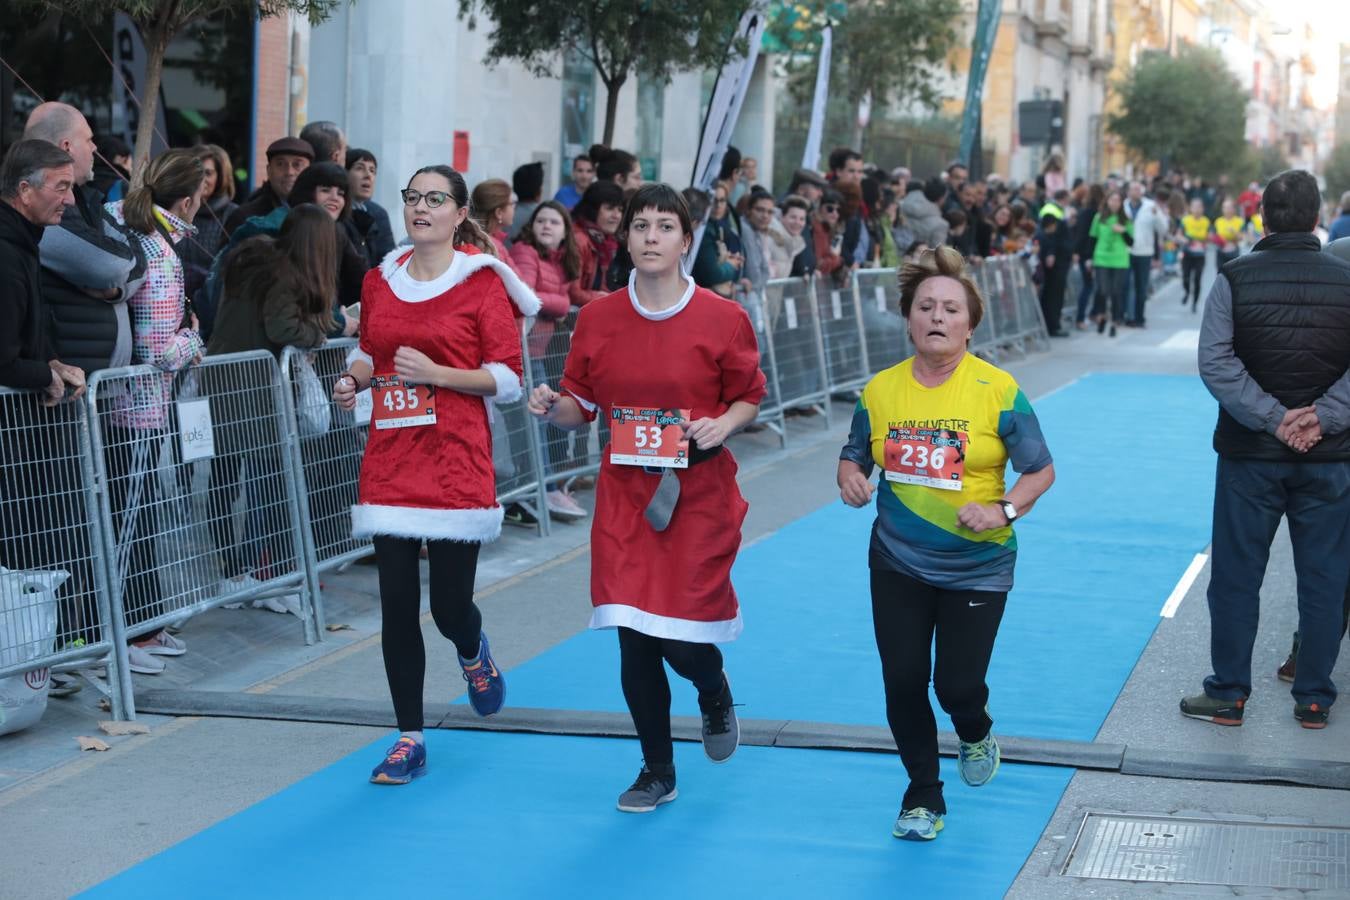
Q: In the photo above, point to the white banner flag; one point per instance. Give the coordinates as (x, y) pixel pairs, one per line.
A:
(811, 154)
(724, 109)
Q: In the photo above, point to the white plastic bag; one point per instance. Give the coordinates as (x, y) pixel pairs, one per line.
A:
(312, 411)
(27, 632)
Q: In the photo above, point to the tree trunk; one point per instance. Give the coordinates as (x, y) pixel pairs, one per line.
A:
(156, 45)
(612, 89)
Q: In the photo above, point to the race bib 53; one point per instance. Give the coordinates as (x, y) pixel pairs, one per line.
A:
(648, 436)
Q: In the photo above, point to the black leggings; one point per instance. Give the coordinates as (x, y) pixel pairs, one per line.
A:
(906, 613)
(1192, 267)
(647, 690)
(453, 566)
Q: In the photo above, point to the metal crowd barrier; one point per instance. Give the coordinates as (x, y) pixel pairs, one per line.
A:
(54, 609)
(163, 495)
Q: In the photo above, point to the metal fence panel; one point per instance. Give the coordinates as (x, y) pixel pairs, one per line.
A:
(886, 337)
(564, 455)
(771, 407)
(798, 348)
(54, 605)
(841, 336)
(201, 507)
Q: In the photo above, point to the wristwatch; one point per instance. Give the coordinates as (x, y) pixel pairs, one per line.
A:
(1009, 510)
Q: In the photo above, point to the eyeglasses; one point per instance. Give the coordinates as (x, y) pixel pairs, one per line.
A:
(829, 207)
(435, 199)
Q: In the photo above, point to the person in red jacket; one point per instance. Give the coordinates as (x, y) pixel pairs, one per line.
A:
(595, 220)
(828, 236)
(545, 254)
(674, 369)
(439, 342)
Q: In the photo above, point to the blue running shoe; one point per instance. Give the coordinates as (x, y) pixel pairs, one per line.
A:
(405, 761)
(487, 686)
(978, 762)
(917, 824)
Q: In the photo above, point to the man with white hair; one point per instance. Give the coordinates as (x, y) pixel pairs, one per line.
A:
(88, 272)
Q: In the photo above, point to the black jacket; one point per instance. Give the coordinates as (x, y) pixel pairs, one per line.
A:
(259, 203)
(370, 230)
(84, 253)
(24, 346)
(1291, 330)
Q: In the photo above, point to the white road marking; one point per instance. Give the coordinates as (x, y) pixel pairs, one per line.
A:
(1184, 585)
(1186, 339)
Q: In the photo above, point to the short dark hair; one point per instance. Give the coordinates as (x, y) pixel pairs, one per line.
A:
(758, 194)
(581, 157)
(841, 156)
(110, 145)
(610, 163)
(1291, 202)
(27, 161)
(793, 201)
(662, 198)
(528, 182)
(321, 174)
(934, 190)
(957, 165)
(731, 161)
(698, 202)
(601, 193)
(358, 154)
(955, 218)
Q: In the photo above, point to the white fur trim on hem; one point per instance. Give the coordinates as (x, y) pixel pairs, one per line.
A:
(615, 615)
(465, 264)
(471, 526)
(508, 382)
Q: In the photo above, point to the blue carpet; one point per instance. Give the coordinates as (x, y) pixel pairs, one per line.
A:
(525, 816)
(1098, 557)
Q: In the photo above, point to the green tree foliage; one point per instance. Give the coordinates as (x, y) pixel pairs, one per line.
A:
(619, 37)
(1338, 172)
(1187, 111)
(159, 21)
(890, 50)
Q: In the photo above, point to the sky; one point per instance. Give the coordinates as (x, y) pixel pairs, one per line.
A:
(1331, 28)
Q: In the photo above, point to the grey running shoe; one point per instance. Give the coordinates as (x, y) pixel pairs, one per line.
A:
(721, 731)
(918, 824)
(650, 790)
(978, 762)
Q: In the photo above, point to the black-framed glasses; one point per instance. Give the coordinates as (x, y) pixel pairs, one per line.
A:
(434, 199)
(829, 207)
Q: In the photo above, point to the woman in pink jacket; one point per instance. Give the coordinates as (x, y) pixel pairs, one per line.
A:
(546, 257)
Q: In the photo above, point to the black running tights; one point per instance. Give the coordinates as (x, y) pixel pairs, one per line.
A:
(1192, 269)
(906, 614)
(453, 566)
(647, 690)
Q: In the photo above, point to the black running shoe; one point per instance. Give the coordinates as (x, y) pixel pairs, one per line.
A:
(651, 789)
(1210, 709)
(519, 516)
(1314, 715)
(721, 730)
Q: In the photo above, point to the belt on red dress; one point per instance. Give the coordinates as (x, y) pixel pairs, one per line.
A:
(661, 507)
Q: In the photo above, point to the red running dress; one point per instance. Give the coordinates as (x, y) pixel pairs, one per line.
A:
(700, 355)
(436, 481)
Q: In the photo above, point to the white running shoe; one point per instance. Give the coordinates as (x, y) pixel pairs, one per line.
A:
(142, 663)
(563, 506)
(163, 644)
(286, 603)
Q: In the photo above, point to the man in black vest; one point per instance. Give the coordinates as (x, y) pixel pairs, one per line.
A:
(1275, 353)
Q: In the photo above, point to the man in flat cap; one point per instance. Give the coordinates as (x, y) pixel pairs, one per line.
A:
(286, 158)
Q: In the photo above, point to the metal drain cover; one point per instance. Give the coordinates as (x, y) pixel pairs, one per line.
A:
(1207, 851)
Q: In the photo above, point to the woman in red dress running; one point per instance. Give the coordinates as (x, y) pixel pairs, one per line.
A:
(439, 341)
(674, 369)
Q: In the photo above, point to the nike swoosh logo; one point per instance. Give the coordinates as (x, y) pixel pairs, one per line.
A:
(973, 603)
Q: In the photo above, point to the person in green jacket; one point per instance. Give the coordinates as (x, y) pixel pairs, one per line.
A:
(1114, 234)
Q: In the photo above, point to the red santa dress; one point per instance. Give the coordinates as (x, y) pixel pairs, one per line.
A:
(699, 355)
(436, 481)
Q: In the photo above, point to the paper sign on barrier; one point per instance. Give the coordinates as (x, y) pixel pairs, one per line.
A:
(836, 305)
(365, 405)
(998, 280)
(790, 312)
(881, 298)
(195, 435)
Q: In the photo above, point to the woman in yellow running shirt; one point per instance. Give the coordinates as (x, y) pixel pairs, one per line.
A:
(1195, 235)
(1228, 229)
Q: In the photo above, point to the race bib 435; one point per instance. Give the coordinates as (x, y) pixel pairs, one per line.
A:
(398, 404)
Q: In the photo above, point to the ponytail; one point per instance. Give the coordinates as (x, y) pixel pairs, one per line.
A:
(473, 234)
(172, 175)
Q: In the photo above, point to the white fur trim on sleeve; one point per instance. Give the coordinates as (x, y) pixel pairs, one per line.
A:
(470, 526)
(508, 382)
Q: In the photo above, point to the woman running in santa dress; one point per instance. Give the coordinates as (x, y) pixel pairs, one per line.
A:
(439, 340)
(674, 369)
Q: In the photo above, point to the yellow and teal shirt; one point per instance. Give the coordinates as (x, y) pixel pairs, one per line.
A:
(940, 448)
